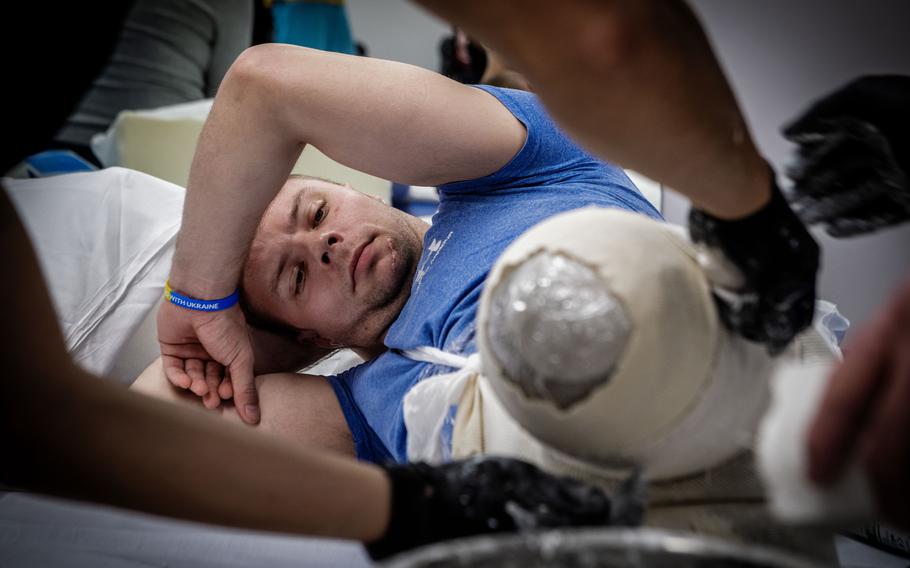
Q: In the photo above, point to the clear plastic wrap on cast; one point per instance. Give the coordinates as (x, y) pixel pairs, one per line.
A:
(556, 329)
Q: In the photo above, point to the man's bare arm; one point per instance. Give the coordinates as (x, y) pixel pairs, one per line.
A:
(389, 119)
(301, 409)
(637, 83)
(274, 352)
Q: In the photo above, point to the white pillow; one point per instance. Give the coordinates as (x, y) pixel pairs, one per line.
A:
(104, 242)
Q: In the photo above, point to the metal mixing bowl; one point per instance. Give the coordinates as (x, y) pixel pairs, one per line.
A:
(596, 548)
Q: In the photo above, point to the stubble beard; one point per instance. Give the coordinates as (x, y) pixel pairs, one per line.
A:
(388, 300)
(396, 290)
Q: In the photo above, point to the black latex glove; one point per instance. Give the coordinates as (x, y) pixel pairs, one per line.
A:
(778, 259)
(484, 495)
(850, 171)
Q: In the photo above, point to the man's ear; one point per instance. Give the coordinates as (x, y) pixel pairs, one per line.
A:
(377, 198)
(311, 337)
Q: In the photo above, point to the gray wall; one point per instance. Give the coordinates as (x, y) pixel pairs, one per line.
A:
(779, 55)
(397, 30)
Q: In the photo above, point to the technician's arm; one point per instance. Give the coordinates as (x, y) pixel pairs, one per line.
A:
(637, 83)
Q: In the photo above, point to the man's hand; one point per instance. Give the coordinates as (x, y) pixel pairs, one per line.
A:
(866, 412)
(778, 260)
(211, 354)
(850, 172)
(483, 495)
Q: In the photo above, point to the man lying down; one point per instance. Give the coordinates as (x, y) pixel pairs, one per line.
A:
(341, 269)
(336, 268)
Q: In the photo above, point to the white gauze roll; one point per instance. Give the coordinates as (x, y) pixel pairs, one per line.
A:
(676, 394)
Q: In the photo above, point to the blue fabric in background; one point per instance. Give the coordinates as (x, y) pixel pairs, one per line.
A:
(313, 24)
(56, 162)
(476, 221)
(404, 199)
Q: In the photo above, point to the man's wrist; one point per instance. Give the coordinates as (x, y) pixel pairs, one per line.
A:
(410, 495)
(199, 287)
(203, 275)
(754, 194)
(752, 240)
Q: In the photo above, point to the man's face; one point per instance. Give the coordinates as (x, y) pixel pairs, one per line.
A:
(332, 262)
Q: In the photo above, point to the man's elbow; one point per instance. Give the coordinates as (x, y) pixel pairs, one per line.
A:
(268, 68)
(254, 67)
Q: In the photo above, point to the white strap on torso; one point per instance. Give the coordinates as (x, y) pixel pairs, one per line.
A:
(427, 405)
(440, 357)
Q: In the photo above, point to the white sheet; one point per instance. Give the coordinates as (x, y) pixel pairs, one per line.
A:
(104, 241)
(35, 531)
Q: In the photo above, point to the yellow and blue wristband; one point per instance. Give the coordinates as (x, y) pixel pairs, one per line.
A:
(199, 305)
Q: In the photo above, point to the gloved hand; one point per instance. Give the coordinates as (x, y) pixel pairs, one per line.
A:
(778, 260)
(850, 172)
(482, 495)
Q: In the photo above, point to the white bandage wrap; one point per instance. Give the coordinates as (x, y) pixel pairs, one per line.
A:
(782, 448)
(682, 400)
(683, 395)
